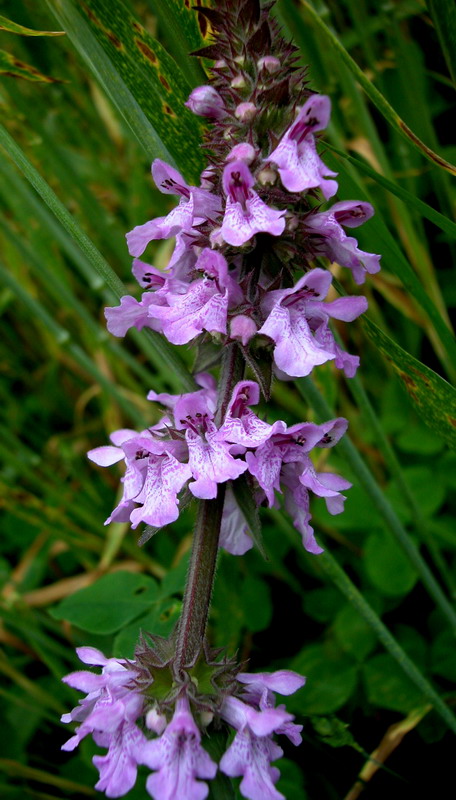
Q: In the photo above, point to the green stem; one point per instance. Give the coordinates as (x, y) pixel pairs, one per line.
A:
(347, 449)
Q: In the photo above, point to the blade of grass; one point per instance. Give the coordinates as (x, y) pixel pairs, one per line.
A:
(158, 348)
(374, 95)
(348, 450)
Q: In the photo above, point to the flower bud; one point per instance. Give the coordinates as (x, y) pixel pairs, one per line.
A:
(242, 152)
(243, 328)
(269, 63)
(239, 82)
(245, 112)
(207, 177)
(267, 176)
(156, 722)
(205, 101)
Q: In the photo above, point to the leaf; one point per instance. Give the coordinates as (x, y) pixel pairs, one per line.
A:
(433, 398)
(160, 621)
(376, 97)
(353, 633)
(13, 27)
(387, 567)
(411, 200)
(13, 67)
(388, 687)
(185, 29)
(256, 604)
(443, 14)
(108, 604)
(139, 76)
(331, 680)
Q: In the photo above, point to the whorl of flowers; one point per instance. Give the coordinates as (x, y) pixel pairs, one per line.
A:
(247, 272)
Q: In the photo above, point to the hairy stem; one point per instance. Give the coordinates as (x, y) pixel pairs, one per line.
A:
(201, 571)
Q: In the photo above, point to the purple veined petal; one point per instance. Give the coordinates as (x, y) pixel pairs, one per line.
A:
(261, 723)
(148, 277)
(283, 681)
(106, 456)
(314, 116)
(122, 435)
(265, 465)
(234, 529)
(249, 756)
(179, 219)
(210, 462)
(85, 681)
(346, 308)
(243, 328)
(121, 513)
(118, 768)
(324, 336)
(352, 213)
(90, 655)
(240, 225)
(131, 314)
(168, 180)
(164, 479)
(207, 381)
(179, 760)
(310, 288)
(296, 501)
(301, 168)
(241, 425)
(203, 307)
(296, 353)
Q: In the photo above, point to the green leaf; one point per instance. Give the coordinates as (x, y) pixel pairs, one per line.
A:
(139, 76)
(428, 490)
(290, 783)
(13, 27)
(373, 93)
(256, 604)
(388, 687)
(443, 14)
(13, 67)
(184, 28)
(433, 398)
(387, 567)
(443, 656)
(331, 680)
(108, 604)
(160, 621)
(353, 633)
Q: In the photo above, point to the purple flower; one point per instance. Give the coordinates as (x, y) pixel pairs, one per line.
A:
(205, 101)
(297, 321)
(179, 759)
(195, 206)
(108, 712)
(332, 241)
(234, 530)
(296, 156)
(245, 213)
(131, 313)
(250, 756)
(241, 425)
(204, 305)
(282, 462)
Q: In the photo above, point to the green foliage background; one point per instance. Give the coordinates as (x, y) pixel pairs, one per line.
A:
(84, 115)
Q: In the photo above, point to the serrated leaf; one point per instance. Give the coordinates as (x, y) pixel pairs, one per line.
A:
(13, 27)
(152, 86)
(13, 67)
(433, 398)
(110, 603)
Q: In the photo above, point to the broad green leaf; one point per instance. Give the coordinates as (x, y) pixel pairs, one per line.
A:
(387, 566)
(373, 93)
(13, 67)
(353, 634)
(433, 398)
(152, 87)
(109, 604)
(290, 783)
(388, 687)
(256, 604)
(13, 27)
(331, 680)
(429, 491)
(443, 14)
(160, 621)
